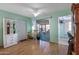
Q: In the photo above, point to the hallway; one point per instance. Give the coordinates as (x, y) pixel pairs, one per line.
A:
(34, 47)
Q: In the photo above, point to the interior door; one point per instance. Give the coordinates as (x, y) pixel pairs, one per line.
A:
(21, 30)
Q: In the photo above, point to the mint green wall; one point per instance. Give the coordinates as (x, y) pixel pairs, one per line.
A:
(29, 25)
(53, 30)
(14, 17)
(62, 31)
(54, 24)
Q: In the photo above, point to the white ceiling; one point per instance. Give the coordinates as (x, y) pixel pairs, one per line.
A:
(27, 9)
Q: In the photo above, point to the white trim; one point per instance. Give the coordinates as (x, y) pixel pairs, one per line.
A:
(58, 31)
(50, 27)
(3, 31)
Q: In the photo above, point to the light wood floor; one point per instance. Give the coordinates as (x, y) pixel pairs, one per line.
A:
(34, 47)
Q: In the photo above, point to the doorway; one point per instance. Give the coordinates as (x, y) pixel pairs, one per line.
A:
(64, 26)
(44, 25)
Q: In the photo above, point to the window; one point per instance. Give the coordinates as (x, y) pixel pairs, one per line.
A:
(47, 27)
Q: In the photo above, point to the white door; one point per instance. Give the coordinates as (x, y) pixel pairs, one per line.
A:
(21, 29)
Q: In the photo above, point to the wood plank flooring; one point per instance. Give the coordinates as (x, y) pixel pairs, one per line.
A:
(34, 47)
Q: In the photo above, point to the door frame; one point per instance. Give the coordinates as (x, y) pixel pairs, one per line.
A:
(49, 24)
